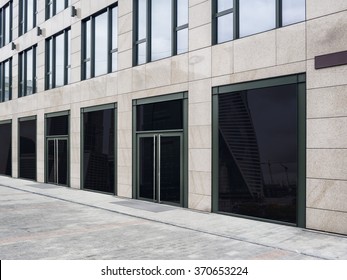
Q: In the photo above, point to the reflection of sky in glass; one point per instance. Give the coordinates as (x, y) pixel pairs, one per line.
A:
(68, 53)
(141, 53)
(29, 71)
(161, 29)
(223, 5)
(30, 14)
(142, 10)
(87, 54)
(182, 41)
(257, 16)
(101, 49)
(7, 80)
(225, 28)
(60, 5)
(7, 24)
(59, 62)
(182, 12)
(293, 11)
(50, 70)
(114, 37)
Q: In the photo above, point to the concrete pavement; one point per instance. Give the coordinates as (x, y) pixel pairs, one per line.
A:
(41, 221)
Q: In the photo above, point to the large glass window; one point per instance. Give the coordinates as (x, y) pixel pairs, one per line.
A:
(6, 24)
(6, 80)
(27, 72)
(27, 15)
(58, 66)
(54, 7)
(161, 29)
(99, 149)
(233, 19)
(258, 139)
(100, 43)
(27, 149)
(6, 148)
(257, 16)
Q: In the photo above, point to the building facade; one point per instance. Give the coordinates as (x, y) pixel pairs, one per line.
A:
(228, 106)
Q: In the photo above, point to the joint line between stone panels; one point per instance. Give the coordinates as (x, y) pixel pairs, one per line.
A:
(326, 15)
(326, 87)
(329, 210)
(326, 148)
(333, 117)
(326, 179)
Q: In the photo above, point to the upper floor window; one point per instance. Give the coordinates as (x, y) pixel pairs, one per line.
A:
(27, 72)
(6, 24)
(58, 60)
(233, 19)
(6, 80)
(53, 7)
(161, 29)
(27, 15)
(100, 43)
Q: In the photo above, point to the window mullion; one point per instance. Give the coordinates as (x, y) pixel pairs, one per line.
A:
(174, 28)
(278, 13)
(109, 40)
(149, 31)
(92, 48)
(236, 18)
(24, 73)
(54, 56)
(34, 70)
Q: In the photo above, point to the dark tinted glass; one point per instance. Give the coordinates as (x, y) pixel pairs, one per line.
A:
(6, 149)
(258, 149)
(27, 149)
(98, 150)
(160, 116)
(58, 125)
(147, 168)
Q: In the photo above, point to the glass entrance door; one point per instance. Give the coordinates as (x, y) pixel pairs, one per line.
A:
(57, 161)
(160, 167)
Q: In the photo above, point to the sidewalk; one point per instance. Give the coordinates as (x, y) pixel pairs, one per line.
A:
(41, 221)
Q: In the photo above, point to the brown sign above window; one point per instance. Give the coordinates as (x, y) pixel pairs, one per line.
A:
(330, 60)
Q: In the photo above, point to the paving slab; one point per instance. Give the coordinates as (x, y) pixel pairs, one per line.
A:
(41, 221)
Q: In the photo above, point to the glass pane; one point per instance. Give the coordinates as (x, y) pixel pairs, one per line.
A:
(7, 80)
(114, 28)
(27, 149)
(60, 5)
(68, 54)
(87, 55)
(50, 9)
(160, 116)
(161, 29)
(114, 61)
(50, 68)
(293, 11)
(257, 16)
(225, 28)
(258, 150)
(6, 149)
(98, 150)
(182, 41)
(141, 53)
(60, 60)
(30, 14)
(101, 48)
(142, 19)
(58, 126)
(146, 168)
(62, 164)
(7, 25)
(225, 5)
(51, 169)
(29, 89)
(170, 169)
(21, 75)
(182, 12)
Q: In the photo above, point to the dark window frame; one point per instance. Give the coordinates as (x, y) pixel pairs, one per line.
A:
(54, 7)
(3, 25)
(2, 79)
(236, 20)
(148, 37)
(23, 16)
(52, 54)
(22, 81)
(110, 49)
